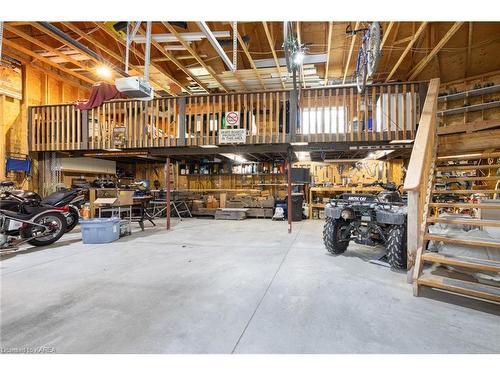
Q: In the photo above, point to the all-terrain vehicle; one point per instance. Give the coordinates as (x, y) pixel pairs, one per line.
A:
(368, 219)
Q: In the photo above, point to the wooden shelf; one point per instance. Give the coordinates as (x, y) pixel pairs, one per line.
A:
(470, 108)
(469, 93)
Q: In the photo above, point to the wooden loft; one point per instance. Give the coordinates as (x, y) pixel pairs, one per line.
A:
(385, 112)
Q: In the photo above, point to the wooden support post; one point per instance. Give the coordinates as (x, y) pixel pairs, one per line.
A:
(85, 129)
(294, 97)
(2, 138)
(182, 121)
(412, 233)
(289, 202)
(167, 183)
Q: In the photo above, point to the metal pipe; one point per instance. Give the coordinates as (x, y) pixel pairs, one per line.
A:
(213, 41)
(167, 180)
(289, 203)
(147, 56)
(76, 44)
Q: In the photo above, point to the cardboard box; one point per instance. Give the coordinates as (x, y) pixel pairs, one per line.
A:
(125, 197)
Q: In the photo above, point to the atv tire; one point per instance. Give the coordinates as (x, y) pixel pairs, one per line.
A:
(396, 247)
(331, 235)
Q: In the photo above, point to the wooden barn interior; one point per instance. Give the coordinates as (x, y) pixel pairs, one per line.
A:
(262, 179)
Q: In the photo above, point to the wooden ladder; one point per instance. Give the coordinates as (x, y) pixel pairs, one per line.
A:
(477, 174)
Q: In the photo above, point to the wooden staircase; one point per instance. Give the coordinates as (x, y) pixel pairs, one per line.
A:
(459, 188)
(462, 209)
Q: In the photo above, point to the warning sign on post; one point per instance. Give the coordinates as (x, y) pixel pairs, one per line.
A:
(232, 119)
(227, 136)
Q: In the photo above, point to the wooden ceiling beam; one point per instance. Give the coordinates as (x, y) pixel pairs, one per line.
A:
(28, 52)
(48, 48)
(353, 41)
(56, 75)
(195, 55)
(415, 37)
(172, 58)
(141, 55)
(108, 51)
(423, 63)
(329, 46)
(250, 60)
(386, 34)
(273, 51)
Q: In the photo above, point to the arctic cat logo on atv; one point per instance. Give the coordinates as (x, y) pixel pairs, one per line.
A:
(356, 198)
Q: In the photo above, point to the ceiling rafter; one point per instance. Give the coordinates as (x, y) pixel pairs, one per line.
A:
(328, 48)
(250, 60)
(273, 51)
(92, 40)
(141, 55)
(353, 41)
(72, 80)
(194, 54)
(423, 63)
(415, 37)
(48, 48)
(386, 34)
(97, 61)
(177, 63)
(26, 51)
(108, 51)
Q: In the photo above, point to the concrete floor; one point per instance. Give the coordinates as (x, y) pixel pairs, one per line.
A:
(227, 287)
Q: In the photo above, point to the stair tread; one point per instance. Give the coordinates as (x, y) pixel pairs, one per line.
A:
(490, 206)
(460, 286)
(473, 263)
(467, 178)
(464, 221)
(471, 191)
(462, 241)
(472, 156)
(463, 167)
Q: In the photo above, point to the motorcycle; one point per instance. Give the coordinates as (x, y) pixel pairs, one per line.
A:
(37, 225)
(73, 198)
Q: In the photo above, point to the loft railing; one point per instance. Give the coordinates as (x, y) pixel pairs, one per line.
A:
(383, 112)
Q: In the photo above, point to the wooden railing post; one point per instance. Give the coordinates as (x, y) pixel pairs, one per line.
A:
(85, 129)
(182, 121)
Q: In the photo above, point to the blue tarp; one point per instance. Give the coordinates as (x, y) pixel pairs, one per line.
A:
(18, 165)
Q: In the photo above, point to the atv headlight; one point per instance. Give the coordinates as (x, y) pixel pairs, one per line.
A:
(347, 214)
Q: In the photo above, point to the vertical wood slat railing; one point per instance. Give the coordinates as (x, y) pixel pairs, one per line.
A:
(382, 113)
(418, 180)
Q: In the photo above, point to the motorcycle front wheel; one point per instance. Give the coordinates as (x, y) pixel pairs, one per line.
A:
(56, 223)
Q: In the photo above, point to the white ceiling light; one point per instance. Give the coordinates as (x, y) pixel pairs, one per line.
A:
(188, 37)
(375, 155)
(235, 157)
(303, 156)
(209, 146)
(405, 141)
(104, 71)
(299, 143)
(199, 71)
